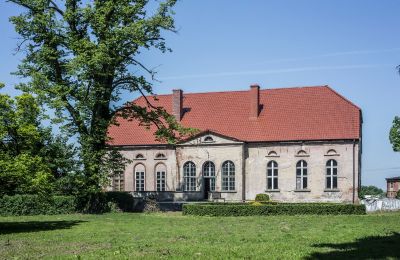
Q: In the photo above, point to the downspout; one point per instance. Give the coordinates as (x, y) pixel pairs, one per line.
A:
(243, 172)
(354, 171)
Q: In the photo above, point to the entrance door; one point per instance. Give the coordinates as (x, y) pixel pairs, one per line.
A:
(207, 187)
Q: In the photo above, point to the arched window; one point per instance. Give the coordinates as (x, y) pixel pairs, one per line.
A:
(301, 175)
(272, 175)
(189, 176)
(208, 139)
(160, 156)
(209, 172)
(331, 152)
(161, 175)
(139, 156)
(331, 174)
(140, 172)
(228, 176)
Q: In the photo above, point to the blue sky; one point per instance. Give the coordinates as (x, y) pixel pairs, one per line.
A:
(353, 46)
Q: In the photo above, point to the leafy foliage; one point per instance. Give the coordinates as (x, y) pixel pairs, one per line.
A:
(32, 160)
(80, 57)
(398, 195)
(370, 190)
(226, 209)
(18, 205)
(262, 197)
(394, 135)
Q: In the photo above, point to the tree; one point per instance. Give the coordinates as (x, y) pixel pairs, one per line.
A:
(394, 135)
(370, 190)
(80, 57)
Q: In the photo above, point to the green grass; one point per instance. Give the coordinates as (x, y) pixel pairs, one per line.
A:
(171, 235)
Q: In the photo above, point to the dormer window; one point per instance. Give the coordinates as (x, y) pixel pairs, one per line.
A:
(208, 139)
(160, 156)
(139, 156)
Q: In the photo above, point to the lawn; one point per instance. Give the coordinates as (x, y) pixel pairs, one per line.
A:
(171, 235)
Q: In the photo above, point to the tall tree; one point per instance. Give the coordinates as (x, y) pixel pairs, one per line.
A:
(81, 56)
(394, 135)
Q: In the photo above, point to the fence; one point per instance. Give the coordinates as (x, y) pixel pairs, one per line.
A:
(377, 204)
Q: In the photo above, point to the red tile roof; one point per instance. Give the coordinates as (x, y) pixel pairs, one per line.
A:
(287, 114)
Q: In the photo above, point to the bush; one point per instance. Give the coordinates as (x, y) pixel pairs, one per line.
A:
(102, 202)
(262, 197)
(123, 200)
(370, 190)
(18, 205)
(271, 209)
(398, 195)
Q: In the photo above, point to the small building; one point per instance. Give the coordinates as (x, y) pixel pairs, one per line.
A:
(393, 186)
(294, 144)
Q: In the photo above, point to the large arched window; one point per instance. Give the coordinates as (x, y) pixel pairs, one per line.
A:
(272, 175)
(331, 174)
(301, 175)
(189, 176)
(228, 176)
(140, 174)
(209, 172)
(161, 175)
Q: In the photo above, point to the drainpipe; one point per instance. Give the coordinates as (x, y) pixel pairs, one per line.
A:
(243, 172)
(354, 171)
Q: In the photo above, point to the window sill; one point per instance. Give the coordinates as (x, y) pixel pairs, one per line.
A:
(302, 155)
(336, 154)
(228, 191)
(275, 190)
(160, 159)
(139, 159)
(331, 190)
(272, 156)
(303, 190)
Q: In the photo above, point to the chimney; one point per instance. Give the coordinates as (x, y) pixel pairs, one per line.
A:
(177, 100)
(254, 101)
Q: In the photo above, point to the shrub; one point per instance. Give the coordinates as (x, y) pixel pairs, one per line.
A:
(398, 195)
(262, 197)
(123, 200)
(36, 205)
(271, 209)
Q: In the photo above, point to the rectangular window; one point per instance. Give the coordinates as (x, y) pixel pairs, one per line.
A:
(139, 181)
(118, 181)
(161, 181)
(190, 183)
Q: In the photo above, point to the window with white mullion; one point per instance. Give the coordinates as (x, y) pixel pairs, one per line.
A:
(272, 175)
(189, 176)
(301, 175)
(160, 180)
(118, 181)
(331, 174)
(139, 178)
(209, 172)
(228, 176)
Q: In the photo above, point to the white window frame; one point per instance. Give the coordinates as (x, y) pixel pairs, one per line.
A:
(161, 180)
(303, 175)
(228, 176)
(272, 167)
(330, 167)
(189, 176)
(140, 180)
(209, 172)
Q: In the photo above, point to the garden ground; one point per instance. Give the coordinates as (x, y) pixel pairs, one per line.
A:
(171, 235)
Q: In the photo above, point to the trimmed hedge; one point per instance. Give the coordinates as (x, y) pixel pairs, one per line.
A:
(270, 209)
(262, 197)
(18, 205)
(123, 200)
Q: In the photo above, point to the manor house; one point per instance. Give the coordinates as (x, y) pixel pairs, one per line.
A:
(300, 144)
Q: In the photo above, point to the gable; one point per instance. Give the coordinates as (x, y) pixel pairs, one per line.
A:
(209, 138)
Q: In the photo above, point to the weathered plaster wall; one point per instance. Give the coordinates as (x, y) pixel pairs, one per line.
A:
(316, 158)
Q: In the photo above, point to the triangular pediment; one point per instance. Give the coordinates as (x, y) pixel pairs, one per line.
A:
(209, 138)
